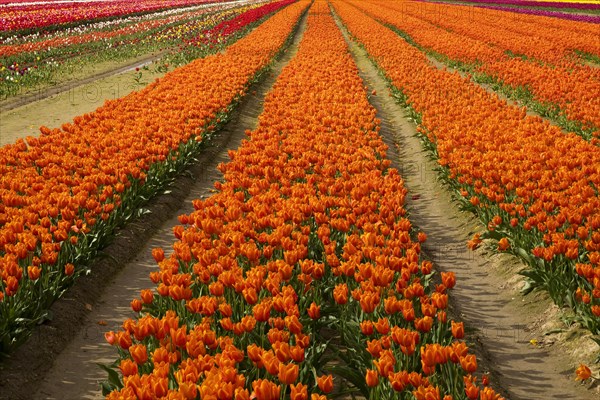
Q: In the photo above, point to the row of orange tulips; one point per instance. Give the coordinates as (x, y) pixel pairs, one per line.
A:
(564, 90)
(64, 193)
(534, 187)
(546, 39)
(303, 256)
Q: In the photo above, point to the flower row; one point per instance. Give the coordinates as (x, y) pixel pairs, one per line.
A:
(219, 32)
(593, 19)
(57, 39)
(20, 16)
(303, 256)
(532, 185)
(63, 193)
(546, 39)
(576, 4)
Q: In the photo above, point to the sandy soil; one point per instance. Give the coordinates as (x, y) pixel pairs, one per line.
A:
(59, 362)
(500, 322)
(23, 116)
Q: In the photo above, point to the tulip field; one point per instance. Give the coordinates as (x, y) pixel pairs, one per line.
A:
(302, 274)
(32, 60)
(24, 15)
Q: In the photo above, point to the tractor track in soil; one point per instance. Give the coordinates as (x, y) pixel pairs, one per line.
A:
(59, 360)
(499, 321)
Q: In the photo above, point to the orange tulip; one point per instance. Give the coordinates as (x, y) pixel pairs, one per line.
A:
(69, 269)
(147, 296)
(158, 254)
(138, 353)
(297, 353)
(340, 294)
(503, 244)
(383, 326)
(282, 351)
(399, 380)
(293, 324)
(583, 373)
(266, 390)
(325, 383)
(367, 327)
(314, 311)
(299, 392)
(448, 279)
(474, 242)
(288, 373)
(250, 295)
(33, 272)
(471, 390)
(458, 330)
(469, 363)
(371, 378)
(369, 301)
(128, 368)
(136, 305)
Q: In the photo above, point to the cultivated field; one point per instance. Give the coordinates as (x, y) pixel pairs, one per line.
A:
(296, 199)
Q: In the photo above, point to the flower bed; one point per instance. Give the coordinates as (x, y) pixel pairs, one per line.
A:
(304, 255)
(64, 193)
(565, 91)
(545, 39)
(29, 64)
(221, 31)
(531, 185)
(594, 19)
(576, 5)
(37, 15)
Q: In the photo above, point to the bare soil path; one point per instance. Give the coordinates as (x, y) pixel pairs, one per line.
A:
(500, 322)
(59, 361)
(21, 117)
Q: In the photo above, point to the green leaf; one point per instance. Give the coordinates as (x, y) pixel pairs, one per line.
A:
(113, 377)
(528, 258)
(528, 287)
(106, 388)
(353, 376)
(492, 235)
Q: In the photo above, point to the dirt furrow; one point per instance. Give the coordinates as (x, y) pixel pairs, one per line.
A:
(500, 322)
(101, 302)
